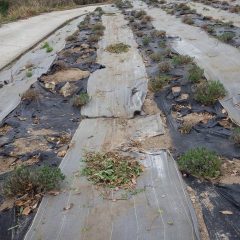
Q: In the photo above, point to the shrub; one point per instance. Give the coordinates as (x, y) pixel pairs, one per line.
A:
(186, 127)
(25, 181)
(226, 37)
(80, 100)
(236, 135)
(195, 74)
(158, 83)
(146, 40)
(200, 162)
(111, 169)
(4, 6)
(209, 92)
(181, 59)
(156, 57)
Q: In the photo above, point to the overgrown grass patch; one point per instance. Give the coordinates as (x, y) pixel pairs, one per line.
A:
(156, 57)
(118, 48)
(111, 169)
(32, 181)
(209, 92)
(146, 40)
(200, 162)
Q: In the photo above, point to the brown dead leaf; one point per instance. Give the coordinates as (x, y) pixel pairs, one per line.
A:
(54, 193)
(26, 211)
(68, 207)
(226, 212)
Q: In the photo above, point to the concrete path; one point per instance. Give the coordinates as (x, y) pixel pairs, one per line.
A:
(220, 61)
(161, 210)
(18, 37)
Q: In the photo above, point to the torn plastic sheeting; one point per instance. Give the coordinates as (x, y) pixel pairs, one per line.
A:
(120, 88)
(219, 60)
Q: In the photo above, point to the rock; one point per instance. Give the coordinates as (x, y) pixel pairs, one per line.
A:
(176, 91)
(50, 85)
(62, 153)
(68, 89)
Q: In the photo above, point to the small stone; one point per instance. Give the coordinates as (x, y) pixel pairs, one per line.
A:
(176, 91)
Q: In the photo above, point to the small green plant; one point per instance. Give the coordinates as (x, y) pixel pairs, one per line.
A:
(226, 37)
(181, 59)
(236, 135)
(208, 93)
(118, 48)
(80, 100)
(195, 74)
(164, 67)
(156, 57)
(25, 181)
(158, 83)
(29, 73)
(146, 40)
(186, 128)
(111, 169)
(47, 47)
(200, 162)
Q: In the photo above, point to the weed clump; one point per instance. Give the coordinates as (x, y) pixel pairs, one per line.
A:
(25, 181)
(200, 162)
(140, 14)
(118, 48)
(29, 73)
(73, 37)
(186, 127)
(159, 82)
(80, 100)
(195, 74)
(208, 93)
(111, 169)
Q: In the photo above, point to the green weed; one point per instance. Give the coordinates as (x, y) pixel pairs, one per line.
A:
(195, 74)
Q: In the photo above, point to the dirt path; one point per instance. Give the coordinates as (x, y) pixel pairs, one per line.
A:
(161, 209)
(219, 61)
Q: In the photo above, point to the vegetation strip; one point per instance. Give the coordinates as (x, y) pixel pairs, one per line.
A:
(223, 31)
(36, 135)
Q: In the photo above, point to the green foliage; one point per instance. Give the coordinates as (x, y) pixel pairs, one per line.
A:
(29, 73)
(111, 169)
(80, 100)
(146, 40)
(159, 82)
(236, 136)
(156, 57)
(47, 47)
(195, 74)
(200, 162)
(208, 93)
(226, 37)
(24, 181)
(118, 48)
(4, 6)
(181, 59)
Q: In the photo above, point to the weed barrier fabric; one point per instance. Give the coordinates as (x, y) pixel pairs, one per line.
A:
(40, 121)
(214, 200)
(219, 61)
